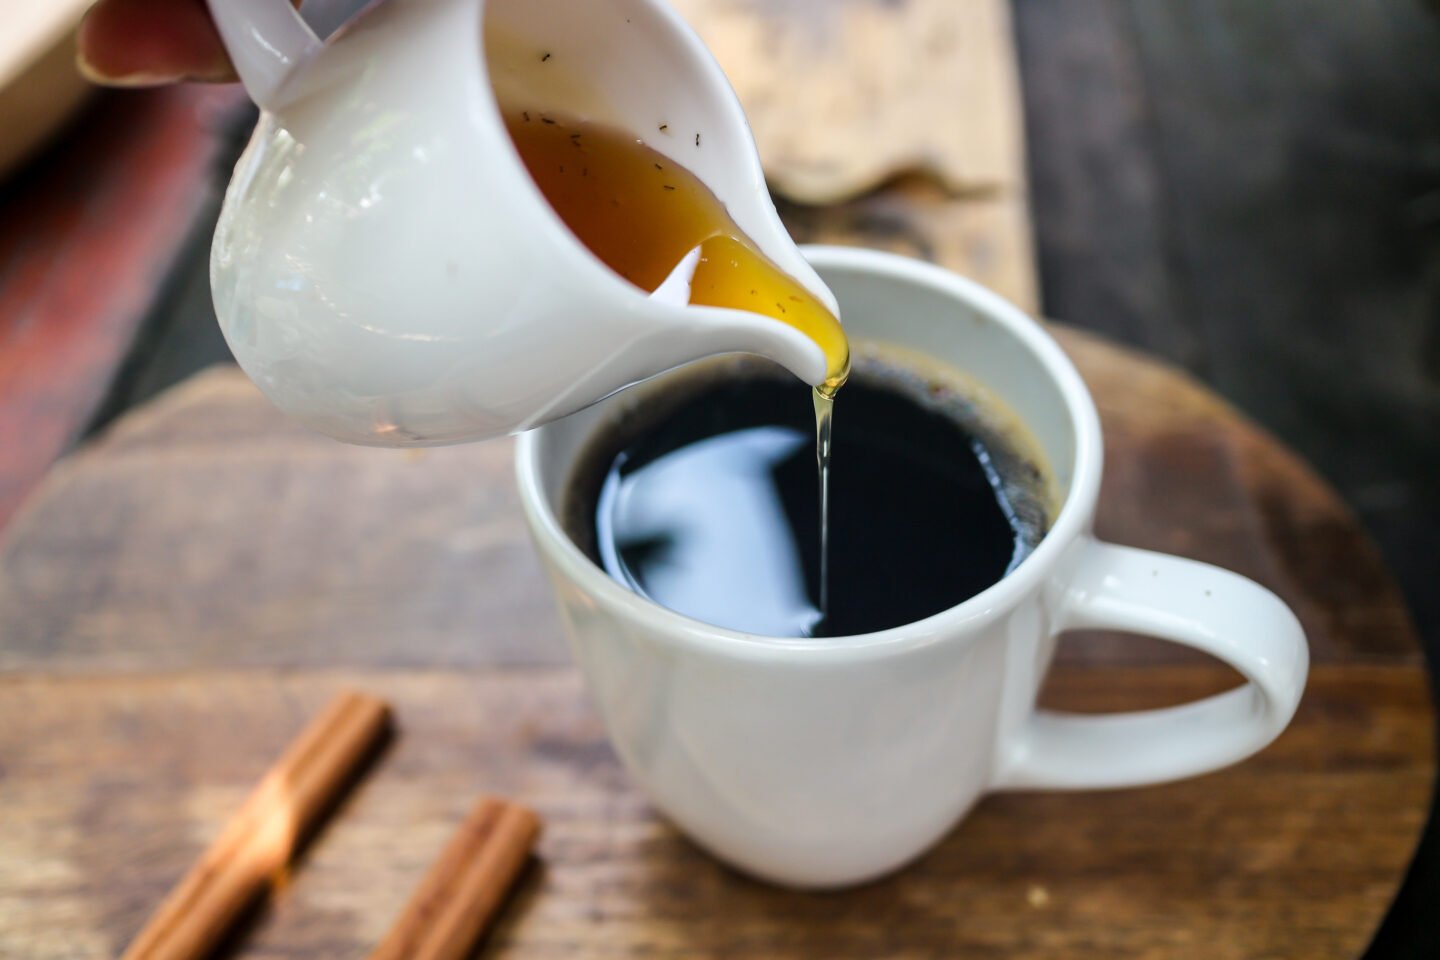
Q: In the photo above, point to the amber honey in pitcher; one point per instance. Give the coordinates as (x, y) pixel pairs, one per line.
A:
(640, 213)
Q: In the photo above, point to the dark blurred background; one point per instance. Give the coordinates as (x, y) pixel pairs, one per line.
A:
(1252, 190)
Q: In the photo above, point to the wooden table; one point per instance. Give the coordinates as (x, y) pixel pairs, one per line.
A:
(181, 595)
(176, 599)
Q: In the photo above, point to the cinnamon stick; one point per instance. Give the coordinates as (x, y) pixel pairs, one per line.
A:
(465, 886)
(259, 841)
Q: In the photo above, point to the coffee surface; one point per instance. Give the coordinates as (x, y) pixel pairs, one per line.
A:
(707, 502)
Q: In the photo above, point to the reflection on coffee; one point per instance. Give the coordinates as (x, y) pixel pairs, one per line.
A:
(703, 498)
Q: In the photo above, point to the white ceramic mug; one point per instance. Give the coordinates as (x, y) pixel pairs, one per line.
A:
(828, 762)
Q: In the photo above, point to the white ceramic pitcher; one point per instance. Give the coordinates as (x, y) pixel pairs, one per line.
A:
(386, 270)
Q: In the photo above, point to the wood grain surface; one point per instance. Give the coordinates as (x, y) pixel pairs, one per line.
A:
(180, 596)
(114, 785)
(843, 94)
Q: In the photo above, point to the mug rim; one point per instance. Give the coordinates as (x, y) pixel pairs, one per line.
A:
(1072, 521)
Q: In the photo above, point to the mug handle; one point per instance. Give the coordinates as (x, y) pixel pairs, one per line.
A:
(1195, 604)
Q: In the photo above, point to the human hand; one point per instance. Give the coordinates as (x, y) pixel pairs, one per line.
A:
(141, 43)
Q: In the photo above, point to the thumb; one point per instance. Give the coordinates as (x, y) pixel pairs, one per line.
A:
(138, 43)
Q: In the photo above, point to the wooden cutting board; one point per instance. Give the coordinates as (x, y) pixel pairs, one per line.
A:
(180, 596)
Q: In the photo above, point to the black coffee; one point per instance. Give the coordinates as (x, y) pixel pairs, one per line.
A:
(707, 502)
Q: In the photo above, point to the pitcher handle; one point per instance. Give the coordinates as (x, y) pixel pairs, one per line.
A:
(1194, 604)
(267, 40)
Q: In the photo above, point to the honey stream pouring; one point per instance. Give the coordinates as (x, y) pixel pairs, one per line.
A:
(388, 271)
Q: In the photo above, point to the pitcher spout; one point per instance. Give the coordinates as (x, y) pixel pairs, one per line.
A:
(698, 332)
(752, 333)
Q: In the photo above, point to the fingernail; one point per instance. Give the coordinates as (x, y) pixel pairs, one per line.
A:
(94, 74)
(218, 73)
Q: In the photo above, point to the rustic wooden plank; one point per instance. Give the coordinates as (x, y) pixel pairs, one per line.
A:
(112, 786)
(842, 96)
(217, 532)
(885, 124)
